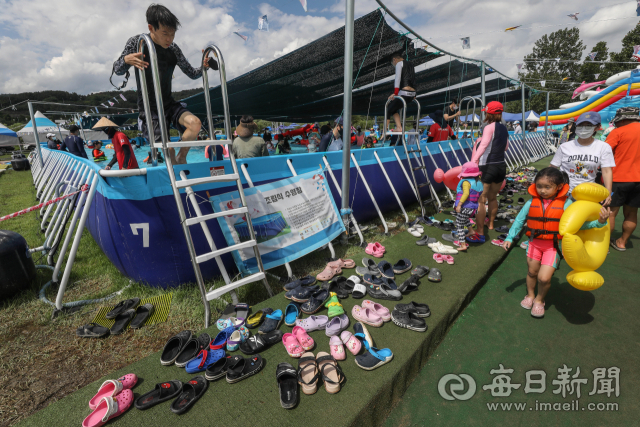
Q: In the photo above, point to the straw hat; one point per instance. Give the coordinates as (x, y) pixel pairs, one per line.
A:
(104, 123)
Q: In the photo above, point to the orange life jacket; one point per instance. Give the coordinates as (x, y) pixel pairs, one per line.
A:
(543, 223)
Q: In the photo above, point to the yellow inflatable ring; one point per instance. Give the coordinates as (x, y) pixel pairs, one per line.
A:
(585, 250)
(109, 146)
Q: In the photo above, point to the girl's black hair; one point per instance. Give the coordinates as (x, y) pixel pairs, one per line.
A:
(554, 175)
(158, 14)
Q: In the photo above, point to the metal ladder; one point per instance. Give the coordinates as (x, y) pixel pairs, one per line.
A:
(187, 184)
(415, 154)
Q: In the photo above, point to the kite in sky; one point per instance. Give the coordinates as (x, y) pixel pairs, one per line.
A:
(593, 55)
(304, 4)
(636, 53)
(466, 42)
(543, 82)
(263, 23)
(574, 15)
(512, 28)
(240, 35)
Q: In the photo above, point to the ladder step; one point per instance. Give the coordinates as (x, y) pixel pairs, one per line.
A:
(233, 285)
(199, 219)
(198, 181)
(202, 143)
(206, 257)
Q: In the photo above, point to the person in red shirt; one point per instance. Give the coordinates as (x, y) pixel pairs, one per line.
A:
(121, 145)
(440, 129)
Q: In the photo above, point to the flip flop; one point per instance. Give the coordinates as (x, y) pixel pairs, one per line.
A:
(435, 275)
(161, 393)
(287, 378)
(92, 330)
(359, 291)
(438, 258)
(122, 320)
(258, 343)
(615, 246)
(142, 314)
(122, 306)
(191, 392)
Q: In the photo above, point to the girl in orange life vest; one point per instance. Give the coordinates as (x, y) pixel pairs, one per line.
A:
(542, 216)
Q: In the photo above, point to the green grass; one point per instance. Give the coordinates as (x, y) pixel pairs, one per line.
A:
(39, 353)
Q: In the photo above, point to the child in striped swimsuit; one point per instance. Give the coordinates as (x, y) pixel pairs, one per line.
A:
(468, 192)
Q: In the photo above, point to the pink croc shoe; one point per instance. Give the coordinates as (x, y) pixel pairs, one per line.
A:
(352, 343)
(109, 408)
(379, 247)
(372, 250)
(367, 316)
(111, 388)
(337, 349)
(328, 273)
(379, 309)
(292, 345)
(303, 338)
(527, 302)
(538, 309)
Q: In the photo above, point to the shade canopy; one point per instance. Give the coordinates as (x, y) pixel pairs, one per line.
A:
(44, 126)
(7, 137)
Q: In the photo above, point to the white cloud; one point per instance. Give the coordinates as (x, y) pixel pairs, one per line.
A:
(71, 44)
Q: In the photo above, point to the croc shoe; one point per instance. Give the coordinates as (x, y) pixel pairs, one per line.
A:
(205, 359)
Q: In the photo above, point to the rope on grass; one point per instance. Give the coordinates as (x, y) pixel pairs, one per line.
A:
(41, 205)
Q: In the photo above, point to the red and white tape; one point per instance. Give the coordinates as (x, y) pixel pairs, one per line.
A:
(41, 205)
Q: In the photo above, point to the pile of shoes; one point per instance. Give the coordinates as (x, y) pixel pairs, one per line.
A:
(126, 313)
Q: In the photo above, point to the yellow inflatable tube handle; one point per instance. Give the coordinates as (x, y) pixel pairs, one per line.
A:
(584, 250)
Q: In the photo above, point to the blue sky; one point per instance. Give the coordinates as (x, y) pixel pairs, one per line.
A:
(71, 44)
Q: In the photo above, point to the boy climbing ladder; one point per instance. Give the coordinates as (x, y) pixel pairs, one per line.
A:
(162, 29)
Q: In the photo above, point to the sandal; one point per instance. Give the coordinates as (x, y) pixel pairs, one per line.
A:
(191, 392)
(241, 368)
(287, 378)
(162, 393)
(308, 373)
(109, 408)
(351, 342)
(122, 306)
(303, 338)
(359, 291)
(173, 347)
(332, 375)
(258, 343)
(111, 388)
(256, 319)
(92, 330)
(122, 320)
(538, 309)
(448, 259)
(438, 258)
(328, 273)
(142, 314)
(527, 302)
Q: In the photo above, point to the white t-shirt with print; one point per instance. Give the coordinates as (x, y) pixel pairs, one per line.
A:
(581, 162)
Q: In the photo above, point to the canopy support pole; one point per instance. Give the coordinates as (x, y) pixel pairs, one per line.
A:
(546, 122)
(524, 122)
(346, 114)
(35, 134)
(483, 97)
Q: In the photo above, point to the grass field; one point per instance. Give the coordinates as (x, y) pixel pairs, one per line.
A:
(41, 360)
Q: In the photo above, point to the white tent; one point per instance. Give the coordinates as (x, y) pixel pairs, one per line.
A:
(532, 117)
(44, 125)
(7, 137)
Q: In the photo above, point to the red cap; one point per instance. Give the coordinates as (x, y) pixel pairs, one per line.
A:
(493, 107)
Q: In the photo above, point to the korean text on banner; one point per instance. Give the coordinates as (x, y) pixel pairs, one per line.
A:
(291, 218)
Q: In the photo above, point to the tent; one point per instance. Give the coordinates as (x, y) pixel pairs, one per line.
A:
(8, 137)
(44, 125)
(468, 118)
(531, 116)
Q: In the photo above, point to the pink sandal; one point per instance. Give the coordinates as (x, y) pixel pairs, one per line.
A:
(111, 388)
(327, 274)
(337, 349)
(448, 259)
(109, 408)
(351, 342)
(527, 302)
(371, 250)
(438, 258)
(343, 263)
(379, 247)
(538, 309)
(303, 338)
(379, 309)
(292, 345)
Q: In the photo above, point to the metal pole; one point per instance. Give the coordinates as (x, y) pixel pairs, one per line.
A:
(524, 139)
(546, 122)
(81, 129)
(482, 92)
(346, 115)
(35, 133)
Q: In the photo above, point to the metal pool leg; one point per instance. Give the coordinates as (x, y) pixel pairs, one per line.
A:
(454, 153)
(366, 185)
(391, 185)
(339, 190)
(461, 149)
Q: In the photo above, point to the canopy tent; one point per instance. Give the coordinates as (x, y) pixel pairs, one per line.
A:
(530, 116)
(426, 121)
(314, 72)
(8, 137)
(44, 126)
(89, 121)
(470, 117)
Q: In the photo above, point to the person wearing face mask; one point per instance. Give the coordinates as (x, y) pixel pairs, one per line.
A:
(581, 157)
(451, 112)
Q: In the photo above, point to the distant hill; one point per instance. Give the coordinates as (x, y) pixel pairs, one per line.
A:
(21, 114)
